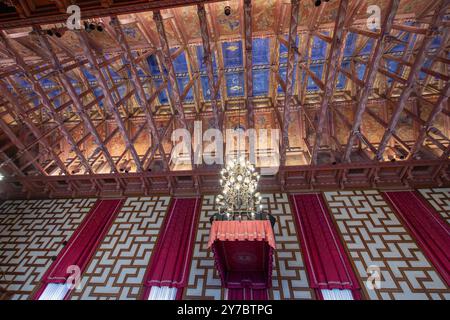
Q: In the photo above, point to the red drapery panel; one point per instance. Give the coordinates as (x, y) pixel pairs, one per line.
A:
(84, 241)
(170, 261)
(326, 261)
(247, 294)
(431, 232)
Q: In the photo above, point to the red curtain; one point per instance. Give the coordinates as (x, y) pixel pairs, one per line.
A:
(170, 261)
(326, 262)
(431, 232)
(83, 242)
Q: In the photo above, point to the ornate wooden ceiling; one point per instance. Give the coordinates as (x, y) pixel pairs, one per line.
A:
(88, 113)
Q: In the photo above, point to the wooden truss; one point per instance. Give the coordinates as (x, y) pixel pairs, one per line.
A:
(95, 117)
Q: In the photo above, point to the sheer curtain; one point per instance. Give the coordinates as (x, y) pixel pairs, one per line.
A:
(54, 291)
(337, 294)
(162, 293)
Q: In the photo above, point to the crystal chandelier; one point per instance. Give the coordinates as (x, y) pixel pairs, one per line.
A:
(239, 182)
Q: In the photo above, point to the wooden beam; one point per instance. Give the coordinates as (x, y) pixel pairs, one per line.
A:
(293, 25)
(79, 108)
(370, 75)
(437, 109)
(139, 88)
(331, 75)
(110, 104)
(33, 128)
(436, 26)
(207, 55)
(248, 45)
(44, 98)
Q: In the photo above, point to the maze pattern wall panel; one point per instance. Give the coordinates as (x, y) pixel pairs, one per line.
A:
(289, 279)
(118, 267)
(204, 282)
(374, 237)
(439, 198)
(32, 232)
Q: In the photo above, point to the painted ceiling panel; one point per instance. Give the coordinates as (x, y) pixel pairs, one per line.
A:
(179, 63)
(182, 83)
(205, 87)
(261, 52)
(202, 62)
(284, 51)
(162, 95)
(367, 49)
(261, 82)
(340, 85)
(319, 48)
(360, 70)
(264, 18)
(235, 84)
(317, 69)
(228, 25)
(232, 54)
(97, 93)
(153, 64)
(427, 64)
(350, 44)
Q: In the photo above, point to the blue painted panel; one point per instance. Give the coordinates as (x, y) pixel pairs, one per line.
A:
(282, 72)
(47, 83)
(114, 74)
(360, 70)
(57, 101)
(368, 47)
(232, 54)
(235, 84)
(350, 44)
(205, 87)
(284, 51)
(392, 65)
(341, 78)
(153, 64)
(436, 42)
(182, 83)
(427, 64)
(97, 93)
(317, 69)
(88, 75)
(179, 63)
(261, 54)
(261, 82)
(319, 48)
(201, 62)
(162, 95)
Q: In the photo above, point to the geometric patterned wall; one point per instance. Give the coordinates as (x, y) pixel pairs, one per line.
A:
(204, 281)
(118, 267)
(374, 236)
(289, 279)
(32, 232)
(439, 198)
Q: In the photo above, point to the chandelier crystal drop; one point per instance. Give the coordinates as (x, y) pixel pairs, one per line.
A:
(239, 183)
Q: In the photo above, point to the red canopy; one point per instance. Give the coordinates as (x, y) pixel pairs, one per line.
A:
(243, 252)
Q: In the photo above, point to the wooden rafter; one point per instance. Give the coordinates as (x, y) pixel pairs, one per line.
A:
(331, 75)
(207, 55)
(370, 75)
(436, 27)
